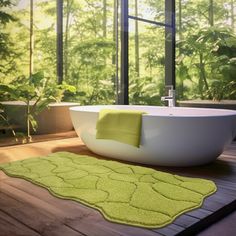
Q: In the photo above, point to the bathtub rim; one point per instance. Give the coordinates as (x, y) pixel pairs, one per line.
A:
(219, 112)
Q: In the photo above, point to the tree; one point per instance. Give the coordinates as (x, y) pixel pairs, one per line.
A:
(211, 53)
(4, 16)
(6, 44)
(211, 12)
(232, 15)
(115, 42)
(104, 20)
(136, 41)
(31, 51)
(68, 10)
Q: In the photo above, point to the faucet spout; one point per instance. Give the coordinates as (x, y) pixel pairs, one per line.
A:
(171, 97)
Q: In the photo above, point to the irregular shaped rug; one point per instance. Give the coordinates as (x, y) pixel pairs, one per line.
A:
(123, 193)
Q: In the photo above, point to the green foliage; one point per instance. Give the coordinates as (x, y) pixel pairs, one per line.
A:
(145, 90)
(92, 75)
(4, 16)
(37, 92)
(206, 50)
(209, 56)
(6, 44)
(205, 54)
(5, 123)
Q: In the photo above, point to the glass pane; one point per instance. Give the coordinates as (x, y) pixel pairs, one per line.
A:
(14, 30)
(16, 44)
(16, 39)
(150, 10)
(206, 50)
(45, 38)
(89, 50)
(146, 63)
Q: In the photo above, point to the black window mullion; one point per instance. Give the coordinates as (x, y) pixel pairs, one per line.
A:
(60, 41)
(124, 80)
(170, 43)
(150, 21)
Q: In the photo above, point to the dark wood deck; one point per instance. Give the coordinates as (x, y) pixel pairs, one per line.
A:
(26, 209)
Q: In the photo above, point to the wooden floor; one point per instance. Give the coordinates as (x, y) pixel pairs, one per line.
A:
(26, 209)
(8, 140)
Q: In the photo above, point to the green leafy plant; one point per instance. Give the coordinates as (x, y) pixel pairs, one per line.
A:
(210, 56)
(94, 77)
(37, 92)
(5, 123)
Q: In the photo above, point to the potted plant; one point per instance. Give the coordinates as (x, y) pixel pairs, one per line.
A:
(31, 96)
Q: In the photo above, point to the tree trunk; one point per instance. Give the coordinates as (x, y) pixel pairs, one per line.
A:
(180, 21)
(114, 56)
(211, 13)
(59, 49)
(232, 14)
(104, 21)
(31, 62)
(69, 4)
(203, 80)
(28, 138)
(136, 41)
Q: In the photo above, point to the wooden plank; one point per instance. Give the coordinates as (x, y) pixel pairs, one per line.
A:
(185, 221)
(69, 208)
(170, 230)
(199, 213)
(215, 172)
(231, 148)
(37, 200)
(218, 200)
(127, 230)
(204, 223)
(72, 209)
(230, 153)
(3, 176)
(190, 227)
(34, 218)
(221, 198)
(101, 227)
(229, 158)
(224, 183)
(10, 226)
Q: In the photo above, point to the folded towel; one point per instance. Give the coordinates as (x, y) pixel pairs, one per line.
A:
(120, 125)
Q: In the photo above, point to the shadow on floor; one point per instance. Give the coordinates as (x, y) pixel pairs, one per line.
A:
(219, 168)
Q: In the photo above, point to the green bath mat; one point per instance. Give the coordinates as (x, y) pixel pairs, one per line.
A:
(123, 193)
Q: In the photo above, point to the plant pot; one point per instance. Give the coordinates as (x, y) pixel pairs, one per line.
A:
(54, 119)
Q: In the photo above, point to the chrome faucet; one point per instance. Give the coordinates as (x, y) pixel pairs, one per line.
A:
(171, 96)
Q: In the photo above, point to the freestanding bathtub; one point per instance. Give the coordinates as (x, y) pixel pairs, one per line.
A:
(171, 136)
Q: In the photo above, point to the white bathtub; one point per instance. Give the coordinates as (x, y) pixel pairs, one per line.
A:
(170, 136)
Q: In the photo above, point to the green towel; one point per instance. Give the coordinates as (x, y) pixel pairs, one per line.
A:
(121, 125)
